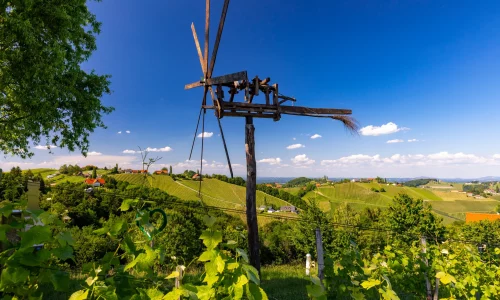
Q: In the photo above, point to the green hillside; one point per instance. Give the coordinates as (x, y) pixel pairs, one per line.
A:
(214, 192)
(44, 172)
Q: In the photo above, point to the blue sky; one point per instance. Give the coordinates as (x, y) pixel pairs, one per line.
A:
(427, 70)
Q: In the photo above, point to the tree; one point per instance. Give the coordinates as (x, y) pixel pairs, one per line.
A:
(94, 173)
(497, 190)
(42, 185)
(44, 92)
(170, 172)
(63, 169)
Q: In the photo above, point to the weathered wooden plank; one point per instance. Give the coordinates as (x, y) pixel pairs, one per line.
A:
(217, 39)
(207, 32)
(224, 79)
(247, 114)
(285, 108)
(251, 209)
(198, 48)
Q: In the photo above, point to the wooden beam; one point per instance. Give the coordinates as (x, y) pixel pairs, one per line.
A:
(217, 39)
(224, 79)
(285, 108)
(251, 203)
(247, 114)
(207, 31)
(198, 49)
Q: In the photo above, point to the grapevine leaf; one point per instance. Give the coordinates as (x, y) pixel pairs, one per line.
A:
(205, 292)
(3, 230)
(440, 274)
(243, 254)
(219, 262)
(238, 292)
(209, 221)
(211, 238)
(63, 253)
(255, 292)
(79, 295)
(128, 245)
(100, 231)
(252, 273)
(65, 238)
(126, 204)
(175, 294)
(207, 255)
(232, 265)
(14, 275)
(28, 258)
(154, 294)
(368, 284)
(211, 279)
(174, 274)
(211, 268)
(118, 227)
(242, 280)
(35, 235)
(447, 279)
(60, 280)
(316, 291)
(90, 281)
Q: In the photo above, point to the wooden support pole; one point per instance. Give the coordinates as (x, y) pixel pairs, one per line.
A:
(423, 241)
(319, 252)
(253, 229)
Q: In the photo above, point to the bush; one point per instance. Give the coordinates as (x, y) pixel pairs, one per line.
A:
(382, 190)
(375, 190)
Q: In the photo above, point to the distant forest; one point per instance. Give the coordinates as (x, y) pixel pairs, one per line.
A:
(418, 182)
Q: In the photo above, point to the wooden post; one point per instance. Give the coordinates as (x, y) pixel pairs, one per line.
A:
(308, 264)
(423, 241)
(319, 251)
(253, 229)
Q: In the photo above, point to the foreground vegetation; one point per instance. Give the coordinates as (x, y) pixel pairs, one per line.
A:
(98, 245)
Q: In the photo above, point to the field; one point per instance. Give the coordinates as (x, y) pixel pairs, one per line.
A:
(43, 172)
(214, 192)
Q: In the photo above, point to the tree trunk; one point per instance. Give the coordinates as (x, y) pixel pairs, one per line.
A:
(253, 229)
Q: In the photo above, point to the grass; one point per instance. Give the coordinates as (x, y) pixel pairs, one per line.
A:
(44, 172)
(285, 282)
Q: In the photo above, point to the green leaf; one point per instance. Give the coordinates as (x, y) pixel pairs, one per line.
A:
(154, 294)
(28, 258)
(446, 279)
(3, 230)
(35, 235)
(65, 238)
(14, 275)
(126, 204)
(63, 253)
(254, 292)
(128, 245)
(60, 280)
(79, 295)
(243, 254)
(91, 280)
(211, 238)
(252, 273)
(368, 284)
(100, 231)
(118, 226)
(220, 263)
(207, 255)
(174, 274)
(209, 221)
(242, 280)
(316, 291)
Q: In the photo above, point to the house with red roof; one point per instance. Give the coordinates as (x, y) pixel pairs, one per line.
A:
(95, 182)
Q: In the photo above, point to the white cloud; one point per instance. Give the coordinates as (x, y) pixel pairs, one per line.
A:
(412, 140)
(294, 139)
(41, 147)
(295, 146)
(302, 160)
(93, 153)
(164, 149)
(388, 128)
(271, 161)
(130, 151)
(119, 132)
(394, 141)
(206, 134)
(127, 131)
(496, 156)
(435, 159)
(315, 136)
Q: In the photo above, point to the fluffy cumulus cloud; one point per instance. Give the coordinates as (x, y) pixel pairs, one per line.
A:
(435, 159)
(394, 141)
(315, 136)
(295, 146)
(496, 156)
(302, 160)
(127, 131)
(164, 149)
(388, 128)
(119, 132)
(41, 147)
(94, 153)
(127, 151)
(271, 161)
(412, 140)
(206, 134)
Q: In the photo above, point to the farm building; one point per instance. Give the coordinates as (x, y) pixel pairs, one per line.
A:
(161, 172)
(289, 208)
(95, 182)
(476, 217)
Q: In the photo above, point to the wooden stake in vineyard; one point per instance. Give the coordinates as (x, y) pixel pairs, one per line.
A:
(236, 83)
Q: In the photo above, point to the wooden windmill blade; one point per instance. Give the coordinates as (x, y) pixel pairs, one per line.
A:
(207, 72)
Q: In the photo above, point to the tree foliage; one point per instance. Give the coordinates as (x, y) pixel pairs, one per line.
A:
(44, 92)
